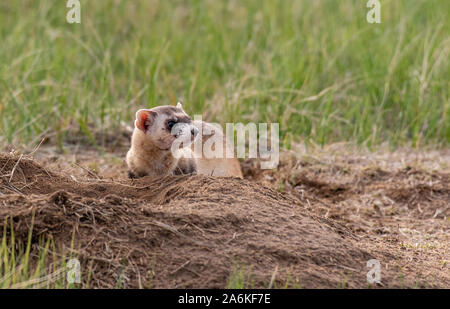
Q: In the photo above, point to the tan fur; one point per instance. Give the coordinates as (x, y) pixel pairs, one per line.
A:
(145, 159)
(220, 167)
(150, 152)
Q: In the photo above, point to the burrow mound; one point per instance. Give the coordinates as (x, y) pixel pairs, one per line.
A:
(179, 232)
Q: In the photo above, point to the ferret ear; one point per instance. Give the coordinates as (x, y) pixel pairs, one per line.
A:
(180, 106)
(144, 119)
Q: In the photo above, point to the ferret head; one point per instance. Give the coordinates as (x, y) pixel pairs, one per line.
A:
(163, 125)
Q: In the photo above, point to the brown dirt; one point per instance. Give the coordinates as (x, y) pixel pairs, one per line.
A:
(312, 223)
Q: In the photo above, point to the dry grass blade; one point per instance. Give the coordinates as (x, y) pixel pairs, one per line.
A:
(175, 231)
(14, 168)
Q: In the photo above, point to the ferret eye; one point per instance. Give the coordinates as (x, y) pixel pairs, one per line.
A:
(170, 124)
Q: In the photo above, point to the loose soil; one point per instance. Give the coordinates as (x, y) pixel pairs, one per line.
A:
(312, 223)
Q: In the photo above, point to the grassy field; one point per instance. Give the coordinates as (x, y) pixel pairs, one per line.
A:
(316, 67)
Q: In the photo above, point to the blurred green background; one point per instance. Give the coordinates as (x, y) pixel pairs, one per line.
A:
(315, 66)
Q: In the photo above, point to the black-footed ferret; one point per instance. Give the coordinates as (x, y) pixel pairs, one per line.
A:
(154, 134)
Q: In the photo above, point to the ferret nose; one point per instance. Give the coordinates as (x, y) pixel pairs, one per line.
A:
(194, 131)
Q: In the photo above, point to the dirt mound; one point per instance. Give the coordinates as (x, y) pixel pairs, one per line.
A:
(189, 231)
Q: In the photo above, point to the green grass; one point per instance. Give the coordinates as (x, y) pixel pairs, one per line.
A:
(240, 277)
(21, 267)
(316, 67)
